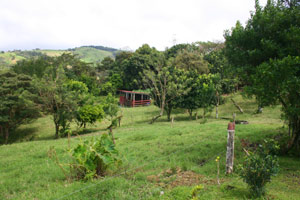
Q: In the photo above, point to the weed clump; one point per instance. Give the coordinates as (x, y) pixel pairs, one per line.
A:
(259, 167)
(90, 158)
(93, 157)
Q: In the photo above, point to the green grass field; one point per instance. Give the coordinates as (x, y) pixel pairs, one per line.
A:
(9, 58)
(92, 55)
(158, 158)
(86, 54)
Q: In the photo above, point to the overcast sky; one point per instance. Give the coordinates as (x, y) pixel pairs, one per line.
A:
(61, 24)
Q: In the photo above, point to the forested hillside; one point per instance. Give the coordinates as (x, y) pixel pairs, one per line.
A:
(90, 54)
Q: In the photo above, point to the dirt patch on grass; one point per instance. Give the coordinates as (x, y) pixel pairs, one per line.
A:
(293, 178)
(174, 177)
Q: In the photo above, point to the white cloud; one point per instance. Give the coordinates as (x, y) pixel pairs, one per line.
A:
(116, 23)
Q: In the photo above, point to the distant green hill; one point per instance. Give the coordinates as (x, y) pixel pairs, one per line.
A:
(90, 54)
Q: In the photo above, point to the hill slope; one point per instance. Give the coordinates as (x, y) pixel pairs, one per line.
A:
(152, 156)
(90, 54)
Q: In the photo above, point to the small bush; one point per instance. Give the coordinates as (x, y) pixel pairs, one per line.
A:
(89, 114)
(259, 167)
(93, 157)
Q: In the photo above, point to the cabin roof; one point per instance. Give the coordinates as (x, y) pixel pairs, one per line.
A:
(132, 92)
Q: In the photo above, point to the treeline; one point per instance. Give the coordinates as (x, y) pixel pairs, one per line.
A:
(188, 76)
(28, 54)
(262, 58)
(63, 86)
(98, 47)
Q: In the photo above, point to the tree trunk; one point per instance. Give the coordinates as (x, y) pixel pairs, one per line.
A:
(160, 114)
(295, 127)
(190, 113)
(56, 130)
(1, 131)
(259, 109)
(6, 133)
(237, 106)
(289, 129)
(293, 142)
(155, 118)
(217, 112)
(169, 111)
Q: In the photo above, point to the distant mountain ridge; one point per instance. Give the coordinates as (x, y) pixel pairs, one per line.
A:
(90, 54)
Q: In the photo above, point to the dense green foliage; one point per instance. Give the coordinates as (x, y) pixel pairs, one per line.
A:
(64, 84)
(259, 167)
(111, 108)
(93, 157)
(89, 114)
(16, 102)
(202, 94)
(167, 84)
(266, 53)
(33, 67)
(191, 61)
(59, 99)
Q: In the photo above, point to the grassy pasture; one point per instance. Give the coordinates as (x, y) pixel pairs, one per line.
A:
(156, 158)
(8, 59)
(86, 54)
(91, 55)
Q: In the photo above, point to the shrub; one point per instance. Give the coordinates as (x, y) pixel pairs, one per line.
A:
(89, 114)
(259, 167)
(93, 157)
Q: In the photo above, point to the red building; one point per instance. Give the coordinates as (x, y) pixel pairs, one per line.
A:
(132, 99)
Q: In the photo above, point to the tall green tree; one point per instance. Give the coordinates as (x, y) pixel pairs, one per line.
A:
(60, 98)
(266, 54)
(174, 50)
(202, 93)
(144, 58)
(106, 64)
(33, 66)
(218, 65)
(16, 102)
(166, 83)
(191, 61)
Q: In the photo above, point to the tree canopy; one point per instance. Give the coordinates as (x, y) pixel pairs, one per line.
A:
(265, 54)
(16, 102)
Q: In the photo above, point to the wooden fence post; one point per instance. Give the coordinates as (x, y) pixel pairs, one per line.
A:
(230, 148)
(172, 121)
